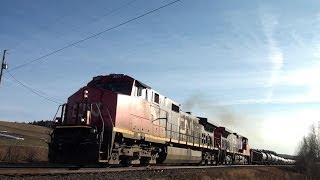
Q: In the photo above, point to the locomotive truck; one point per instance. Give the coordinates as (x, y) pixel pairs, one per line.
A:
(116, 119)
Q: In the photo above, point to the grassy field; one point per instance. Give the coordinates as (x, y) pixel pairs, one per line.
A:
(33, 148)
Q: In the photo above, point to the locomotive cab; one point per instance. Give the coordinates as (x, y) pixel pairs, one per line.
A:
(84, 131)
(107, 118)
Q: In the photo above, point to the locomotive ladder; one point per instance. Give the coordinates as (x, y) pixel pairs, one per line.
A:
(102, 134)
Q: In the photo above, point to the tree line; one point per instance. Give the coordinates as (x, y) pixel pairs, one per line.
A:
(308, 156)
(45, 123)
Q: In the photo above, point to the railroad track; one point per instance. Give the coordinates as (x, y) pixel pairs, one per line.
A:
(54, 170)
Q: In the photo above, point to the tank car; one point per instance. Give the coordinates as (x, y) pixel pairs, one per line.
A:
(265, 157)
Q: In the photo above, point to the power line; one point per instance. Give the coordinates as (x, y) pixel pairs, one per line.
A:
(95, 19)
(92, 36)
(106, 14)
(57, 20)
(98, 18)
(36, 92)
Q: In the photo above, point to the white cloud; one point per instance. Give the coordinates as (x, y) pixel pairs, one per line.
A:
(312, 97)
(275, 56)
(306, 78)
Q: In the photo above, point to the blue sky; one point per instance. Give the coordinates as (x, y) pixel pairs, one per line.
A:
(250, 65)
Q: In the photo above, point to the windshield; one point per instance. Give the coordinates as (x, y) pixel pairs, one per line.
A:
(118, 87)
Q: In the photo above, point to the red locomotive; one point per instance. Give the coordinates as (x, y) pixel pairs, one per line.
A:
(117, 119)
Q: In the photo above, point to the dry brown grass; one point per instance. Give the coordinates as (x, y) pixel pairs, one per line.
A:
(15, 154)
(33, 148)
(238, 173)
(260, 173)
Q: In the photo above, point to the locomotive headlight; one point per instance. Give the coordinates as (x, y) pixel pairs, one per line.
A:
(93, 131)
(82, 120)
(57, 120)
(85, 94)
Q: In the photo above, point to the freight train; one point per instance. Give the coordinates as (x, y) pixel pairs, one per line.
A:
(118, 120)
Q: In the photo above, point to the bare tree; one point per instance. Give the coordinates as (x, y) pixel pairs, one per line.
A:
(308, 154)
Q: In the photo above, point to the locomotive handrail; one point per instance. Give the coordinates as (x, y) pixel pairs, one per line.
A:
(159, 119)
(101, 119)
(55, 115)
(181, 135)
(191, 138)
(110, 116)
(102, 132)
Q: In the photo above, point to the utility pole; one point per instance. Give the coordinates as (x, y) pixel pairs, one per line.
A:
(3, 64)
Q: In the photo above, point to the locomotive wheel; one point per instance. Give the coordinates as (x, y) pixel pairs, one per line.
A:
(126, 162)
(206, 162)
(203, 162)
(144, 161)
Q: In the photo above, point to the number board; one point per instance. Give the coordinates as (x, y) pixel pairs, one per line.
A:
(116, 76)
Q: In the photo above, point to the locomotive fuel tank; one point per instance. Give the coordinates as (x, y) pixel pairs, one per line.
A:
(182, 155)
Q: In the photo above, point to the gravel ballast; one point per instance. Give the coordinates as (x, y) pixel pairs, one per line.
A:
(200, 174)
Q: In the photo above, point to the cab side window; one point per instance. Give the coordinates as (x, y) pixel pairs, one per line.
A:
(139, 91)
(156, 98)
